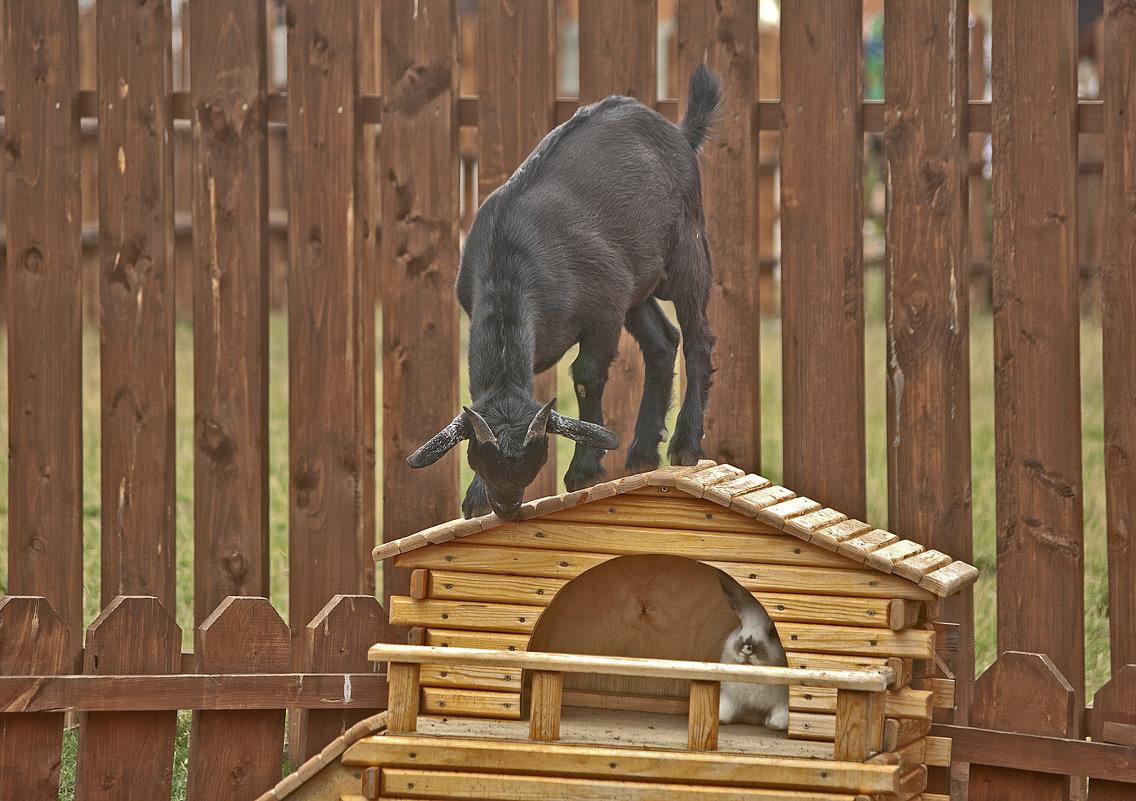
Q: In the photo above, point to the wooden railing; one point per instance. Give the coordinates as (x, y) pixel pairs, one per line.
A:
(859, 693)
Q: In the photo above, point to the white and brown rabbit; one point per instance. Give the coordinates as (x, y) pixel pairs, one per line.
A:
(754, 642)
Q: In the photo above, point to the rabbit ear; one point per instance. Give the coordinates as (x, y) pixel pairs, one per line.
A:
(751, 613)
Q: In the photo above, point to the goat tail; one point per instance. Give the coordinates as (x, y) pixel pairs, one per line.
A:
(703, 106)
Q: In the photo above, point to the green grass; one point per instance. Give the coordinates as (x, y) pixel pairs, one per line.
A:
(982, 434)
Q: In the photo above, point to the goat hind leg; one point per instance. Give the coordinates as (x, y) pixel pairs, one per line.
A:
(658, 340)
(697, 345)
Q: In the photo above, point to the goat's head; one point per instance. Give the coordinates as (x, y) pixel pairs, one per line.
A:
(509, 459)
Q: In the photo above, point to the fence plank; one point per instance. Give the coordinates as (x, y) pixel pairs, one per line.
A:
(336, 641)
(230, 302)
(238, 755)
(725, 36)
(822, 261)
(927, 274)
(1118, 294)
(618, 44)
(329, 314)
(45, 495)
(129, 754)
(1115, 702)
(1037, 409)
(1024, 693)
(419, 169)
(33, 641)
(137, 299)
(515, 109)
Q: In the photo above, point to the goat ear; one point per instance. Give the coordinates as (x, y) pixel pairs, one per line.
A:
(440, 444)
(481, 429)
(539, 425)
(589, 434)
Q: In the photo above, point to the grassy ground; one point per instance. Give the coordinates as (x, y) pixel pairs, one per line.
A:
(982, 390)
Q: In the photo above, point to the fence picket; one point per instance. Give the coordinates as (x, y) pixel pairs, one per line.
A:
(33, 641)
(45, 437)
(336, 641)
(129, 754)
(1022, 692)
(515, 109)
(137, 303)
(822, 272)
(1118, 301)
(725, 35)
(238, 755)
(330, 314)
(419, 174)
(618, 56)
(1115, 702)
(927, 272)
(230, 302)
(1037, 409)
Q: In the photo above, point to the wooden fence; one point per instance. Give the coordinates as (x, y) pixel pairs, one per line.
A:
(339, 187)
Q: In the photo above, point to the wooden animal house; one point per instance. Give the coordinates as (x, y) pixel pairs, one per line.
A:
(573, 652)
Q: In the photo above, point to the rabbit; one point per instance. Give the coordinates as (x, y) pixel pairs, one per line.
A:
(754, 642)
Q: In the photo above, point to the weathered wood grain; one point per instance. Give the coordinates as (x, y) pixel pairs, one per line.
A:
(330, 313)
(230, 302)
(237, 755)
(129, 753)
(1022, 693)
(516, 93)
(33, 641)
(724, 35)
(419, 255)
(1118, 322)
(618, 56)
(136, 211)
(927, 264)
(45, 448)
(1114, 703)
(1037, 408)
(822, 303)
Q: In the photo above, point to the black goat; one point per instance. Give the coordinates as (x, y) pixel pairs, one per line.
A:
(602, 219)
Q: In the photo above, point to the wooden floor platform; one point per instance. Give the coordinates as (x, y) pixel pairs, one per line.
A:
(607, 727)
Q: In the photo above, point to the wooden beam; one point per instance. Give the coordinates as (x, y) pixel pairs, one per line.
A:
(547, 694)
(702, 720)
(129, 693)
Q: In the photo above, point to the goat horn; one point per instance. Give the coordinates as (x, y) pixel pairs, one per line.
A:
(440, 444)
(481, 429)
(539, 425)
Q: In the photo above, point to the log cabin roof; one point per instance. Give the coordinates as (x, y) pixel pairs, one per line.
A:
(748, 495)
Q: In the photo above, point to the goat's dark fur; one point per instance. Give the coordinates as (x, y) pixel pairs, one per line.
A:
(602, 220)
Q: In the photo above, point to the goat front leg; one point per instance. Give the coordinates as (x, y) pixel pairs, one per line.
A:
(476, 502)
(658, 340)
(589, 377)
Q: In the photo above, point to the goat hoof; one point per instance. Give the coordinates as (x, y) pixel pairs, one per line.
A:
(642, 460)
(685, 456)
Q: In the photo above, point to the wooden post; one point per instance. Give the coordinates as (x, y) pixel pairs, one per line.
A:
(136, 214)
(402, 697)
(1114, 705)
(979, 266)
(822, 270)
(702, 721)
(1024, 693)
(927, 258)
(230, 302)
(859, 724)
(419, 170)
(515, 109)
(35, 642)
(618, 44)
(1118, 320)
(45, 439)
(725, 36)
(1037, 323)
(331, 313)
(229, 751)
(547, 694)
(129, 755)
